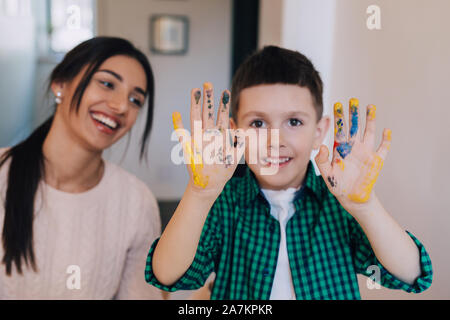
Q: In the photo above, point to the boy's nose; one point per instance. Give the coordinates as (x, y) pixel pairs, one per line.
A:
(275, 139)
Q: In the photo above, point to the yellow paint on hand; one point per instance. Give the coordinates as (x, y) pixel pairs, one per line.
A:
(199, 179)
(338, 111)
(371, 112)
(388, 135)
(354, 102)
(365, 188)
(207, 86)
(340, 163)
(176, 117)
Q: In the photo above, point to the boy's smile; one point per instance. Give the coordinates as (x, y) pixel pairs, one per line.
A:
(288, 109)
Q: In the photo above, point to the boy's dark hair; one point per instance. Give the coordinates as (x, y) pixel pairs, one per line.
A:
(273, 65)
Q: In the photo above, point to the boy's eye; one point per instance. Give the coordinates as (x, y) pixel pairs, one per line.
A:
(257, 123)
(295, 122)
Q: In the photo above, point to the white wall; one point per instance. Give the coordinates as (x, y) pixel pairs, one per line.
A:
(404, 69)
(208, 59)
(17, 67)
(43, 100)
(270, 23)
(311, 32)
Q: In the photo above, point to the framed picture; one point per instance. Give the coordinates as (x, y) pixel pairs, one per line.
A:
(169, 34)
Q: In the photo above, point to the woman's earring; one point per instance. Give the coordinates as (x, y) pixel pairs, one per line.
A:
(58, 98)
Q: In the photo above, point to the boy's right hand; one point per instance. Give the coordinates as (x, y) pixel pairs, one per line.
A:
(210, 152)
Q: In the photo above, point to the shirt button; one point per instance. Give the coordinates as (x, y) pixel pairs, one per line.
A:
(266, 272)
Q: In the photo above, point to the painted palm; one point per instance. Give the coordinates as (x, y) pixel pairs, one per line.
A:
(210, 154)
(355, 166)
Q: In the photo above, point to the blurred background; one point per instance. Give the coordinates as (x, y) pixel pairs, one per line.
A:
(394, 54)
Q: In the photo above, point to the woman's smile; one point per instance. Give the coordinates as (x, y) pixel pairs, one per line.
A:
(105, 123)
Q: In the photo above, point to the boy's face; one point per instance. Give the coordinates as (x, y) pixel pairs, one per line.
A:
(290, 109)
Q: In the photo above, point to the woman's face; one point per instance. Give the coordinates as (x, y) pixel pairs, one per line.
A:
(109, 106)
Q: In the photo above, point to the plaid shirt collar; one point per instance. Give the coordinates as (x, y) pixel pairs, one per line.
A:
(311, 185)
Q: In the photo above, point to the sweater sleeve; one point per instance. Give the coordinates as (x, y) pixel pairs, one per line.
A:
(147, 229)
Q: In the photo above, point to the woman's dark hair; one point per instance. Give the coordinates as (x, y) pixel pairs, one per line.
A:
(27, 160)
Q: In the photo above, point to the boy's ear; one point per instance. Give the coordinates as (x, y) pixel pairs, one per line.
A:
(321, 130)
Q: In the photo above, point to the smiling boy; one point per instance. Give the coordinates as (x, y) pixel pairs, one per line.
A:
(292, 234)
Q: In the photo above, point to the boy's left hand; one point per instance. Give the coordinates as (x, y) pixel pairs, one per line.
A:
(354, 169)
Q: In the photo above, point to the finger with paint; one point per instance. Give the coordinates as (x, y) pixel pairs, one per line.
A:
(341, 147)
(183, 136)
(196, 108)
(223, 114)
(196, 124)
(385, 145)
(369, 132)
(322, 161)
(353, 115)
(339, 124)
(223, 123)
(193, 159)
(208, 105)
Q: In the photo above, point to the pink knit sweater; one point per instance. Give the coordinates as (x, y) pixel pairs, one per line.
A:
(90, 245)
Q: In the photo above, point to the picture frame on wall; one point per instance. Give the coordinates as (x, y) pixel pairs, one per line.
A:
(169, 34)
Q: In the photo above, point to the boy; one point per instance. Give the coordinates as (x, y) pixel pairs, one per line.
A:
(328, 229)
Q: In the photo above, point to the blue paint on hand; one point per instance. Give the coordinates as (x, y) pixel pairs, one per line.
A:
(344, 149)
(354, 127)
(225, 98)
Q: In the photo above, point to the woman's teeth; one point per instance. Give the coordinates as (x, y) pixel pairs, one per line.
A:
(276, 160)
(105, 120)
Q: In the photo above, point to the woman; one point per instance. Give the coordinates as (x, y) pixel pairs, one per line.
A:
(74, 225)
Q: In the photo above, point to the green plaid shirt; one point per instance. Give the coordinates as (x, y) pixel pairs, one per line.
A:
(327, 248)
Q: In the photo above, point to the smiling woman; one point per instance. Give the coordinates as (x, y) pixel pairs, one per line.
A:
(111, 101)
(64, 205)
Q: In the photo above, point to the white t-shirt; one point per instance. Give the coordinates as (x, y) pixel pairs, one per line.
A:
(282, 209)
(90, 245)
